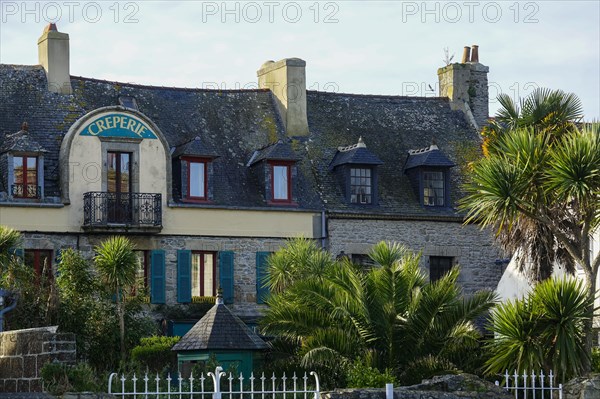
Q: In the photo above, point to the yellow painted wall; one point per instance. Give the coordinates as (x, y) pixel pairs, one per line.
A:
(187, 221)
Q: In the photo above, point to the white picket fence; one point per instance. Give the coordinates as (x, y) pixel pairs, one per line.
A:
(532, 386)
(262, 387)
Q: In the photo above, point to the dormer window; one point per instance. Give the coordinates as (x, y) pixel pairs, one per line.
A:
(281, 182)
(356, 168)
(193, 171)
(428, 170)
(25, 180)
(275, 166)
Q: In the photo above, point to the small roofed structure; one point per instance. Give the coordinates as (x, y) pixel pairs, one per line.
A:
(224, 335)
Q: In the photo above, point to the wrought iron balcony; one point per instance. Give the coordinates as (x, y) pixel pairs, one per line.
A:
(124, 211)
(26, 191)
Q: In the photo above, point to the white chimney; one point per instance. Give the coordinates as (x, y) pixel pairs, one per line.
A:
(53, 53)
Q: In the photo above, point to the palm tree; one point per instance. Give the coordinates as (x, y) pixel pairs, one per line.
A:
(542, 190)
(550, 114)
(9, 240)
(116, 264)
(387, 316)
(545, 330)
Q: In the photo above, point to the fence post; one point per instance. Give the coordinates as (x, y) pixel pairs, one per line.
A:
(216, 376)
(389, 391)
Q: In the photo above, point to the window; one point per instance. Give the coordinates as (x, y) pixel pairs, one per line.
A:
(438, 266)
(25, 177)
(141, 272)
(360, 186)
(40, 260)
(197, 174)
(204, 274)
(433, 188)
(281, 179)
(363, 260)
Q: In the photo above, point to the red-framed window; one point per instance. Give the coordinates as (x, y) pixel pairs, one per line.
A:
(40, 260)
(204, 273)
(197, 179)
(25, 176)
(281, 182)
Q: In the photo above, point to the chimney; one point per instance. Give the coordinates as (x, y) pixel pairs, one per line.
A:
(53, 54)
(466, 85)
(466, 54)
(287, 81)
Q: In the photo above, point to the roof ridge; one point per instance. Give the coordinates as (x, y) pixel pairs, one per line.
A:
(194, 89)
(391, 96)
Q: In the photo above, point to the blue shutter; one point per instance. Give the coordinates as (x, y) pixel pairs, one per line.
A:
(157, 281)
(184, 280)
(226, 275)
(261, 274)
(19, 252)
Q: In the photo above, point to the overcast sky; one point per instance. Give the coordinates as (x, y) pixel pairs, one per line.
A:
(378, 47)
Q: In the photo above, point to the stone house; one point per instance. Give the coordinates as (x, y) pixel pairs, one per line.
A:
(207, 183)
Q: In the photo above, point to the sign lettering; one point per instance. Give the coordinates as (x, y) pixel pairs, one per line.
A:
(118, 125)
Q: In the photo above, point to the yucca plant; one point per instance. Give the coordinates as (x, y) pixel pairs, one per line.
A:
(543, 331)
(386, 316)
(116, 264)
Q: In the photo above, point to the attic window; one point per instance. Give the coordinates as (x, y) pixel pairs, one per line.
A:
(360, 186)
(128, 102)
(433, 188)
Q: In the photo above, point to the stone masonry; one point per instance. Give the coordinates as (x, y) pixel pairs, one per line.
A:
(23, 353)
(471, 247)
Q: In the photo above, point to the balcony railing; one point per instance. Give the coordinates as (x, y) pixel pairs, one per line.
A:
(104, 209)
(26, 191)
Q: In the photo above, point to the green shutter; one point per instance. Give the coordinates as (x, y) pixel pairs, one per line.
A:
(184, 276)
(262, 291)
(226, 275)
(157, 281)
(57, 259)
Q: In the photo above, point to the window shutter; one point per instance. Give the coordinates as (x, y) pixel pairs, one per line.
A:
(184, 276)
(261, 273)
(57, 259)
(157, 286)
(19, 252)
(226, 275)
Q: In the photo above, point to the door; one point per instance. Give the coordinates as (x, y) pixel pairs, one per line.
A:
(119, 201)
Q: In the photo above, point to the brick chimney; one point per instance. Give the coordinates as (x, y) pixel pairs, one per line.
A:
(466, 85)
(53, 55)
(287, 81)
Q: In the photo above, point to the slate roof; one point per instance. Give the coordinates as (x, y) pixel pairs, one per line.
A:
(197, 148)
(220, 329)
(429, 156)
(21, 141)
(235, 124)
(280, 151)
(355, 154)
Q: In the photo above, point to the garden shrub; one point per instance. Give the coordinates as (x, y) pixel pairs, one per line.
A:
(359, 375)
(59, 378)
(154, 353)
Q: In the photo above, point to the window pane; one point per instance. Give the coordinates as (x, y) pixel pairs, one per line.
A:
(433, 188)
(360, 186)
(111, 163)
(196, 262)
(125, 168)
(208, 275)
(18, 169)
(197, 179)
(280, 182)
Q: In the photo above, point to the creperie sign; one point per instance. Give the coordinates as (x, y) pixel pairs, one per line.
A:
(118, 125)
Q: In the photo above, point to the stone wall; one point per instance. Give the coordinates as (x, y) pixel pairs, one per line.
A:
(472, 248)
(23, 353)
(244, 258)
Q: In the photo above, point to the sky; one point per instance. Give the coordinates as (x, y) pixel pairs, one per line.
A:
(374, 47)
